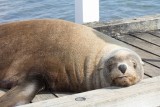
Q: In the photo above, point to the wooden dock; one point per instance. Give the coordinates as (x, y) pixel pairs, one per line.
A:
(146, 93)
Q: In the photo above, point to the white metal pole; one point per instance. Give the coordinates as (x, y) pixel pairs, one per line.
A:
(86, 11)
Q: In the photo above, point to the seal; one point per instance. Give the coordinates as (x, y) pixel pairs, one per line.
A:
(59, 55)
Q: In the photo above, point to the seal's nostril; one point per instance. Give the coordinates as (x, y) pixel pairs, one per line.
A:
(122, 68)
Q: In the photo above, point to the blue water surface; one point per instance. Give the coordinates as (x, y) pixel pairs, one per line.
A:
(11, 10)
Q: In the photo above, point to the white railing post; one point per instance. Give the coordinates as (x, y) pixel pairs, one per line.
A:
(86, 11)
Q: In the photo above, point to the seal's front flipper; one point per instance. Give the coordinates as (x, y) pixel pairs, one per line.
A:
(21, 94)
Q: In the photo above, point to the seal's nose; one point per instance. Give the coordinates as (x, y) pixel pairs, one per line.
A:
(122, 68)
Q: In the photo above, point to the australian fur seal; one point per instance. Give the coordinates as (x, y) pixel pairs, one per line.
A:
(62, 56)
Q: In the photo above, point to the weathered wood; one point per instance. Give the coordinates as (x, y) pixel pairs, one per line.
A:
(155, 32)
(43, 96)
(148, 37)
(146, 94)
(118, 27)
(151, 70)
(140, 43)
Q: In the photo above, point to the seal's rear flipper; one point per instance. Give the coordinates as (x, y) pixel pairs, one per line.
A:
(21, 94)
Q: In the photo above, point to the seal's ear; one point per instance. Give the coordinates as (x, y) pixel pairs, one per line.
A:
(142, 63)
(141, 60)
(134, 62)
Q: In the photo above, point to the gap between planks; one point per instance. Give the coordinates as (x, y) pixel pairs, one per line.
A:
(147, 37)
(154, 32)
(139, 43)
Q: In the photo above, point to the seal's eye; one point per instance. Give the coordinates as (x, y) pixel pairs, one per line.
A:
(110, 67)
(111, 63)
(134, 64)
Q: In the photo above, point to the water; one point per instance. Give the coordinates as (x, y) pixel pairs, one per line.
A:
(11, 10)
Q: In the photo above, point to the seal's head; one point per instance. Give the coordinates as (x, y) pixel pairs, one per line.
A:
(123, 68)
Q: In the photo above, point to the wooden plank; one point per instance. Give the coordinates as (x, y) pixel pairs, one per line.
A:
(43, 96)
(151, 70)
(155, 32)
(140, 43)
(146, 56)
(148, 37)
(144, 94)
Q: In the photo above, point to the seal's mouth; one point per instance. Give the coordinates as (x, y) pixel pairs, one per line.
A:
(123, 81)
(122, 77)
